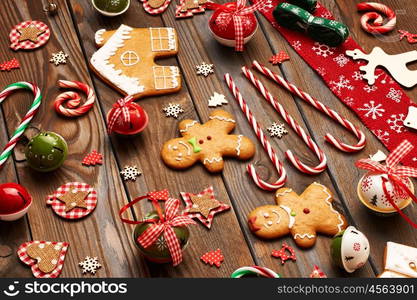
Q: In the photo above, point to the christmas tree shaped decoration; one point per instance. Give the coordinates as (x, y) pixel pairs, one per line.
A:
(217, 100)
(9, 65)
(93, 159)
(374, 200)
(213, 258)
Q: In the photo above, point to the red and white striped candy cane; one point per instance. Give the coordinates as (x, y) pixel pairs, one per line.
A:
(72, 100)
(294, 125)
(321, 107)
(372, 21)
(262, 138)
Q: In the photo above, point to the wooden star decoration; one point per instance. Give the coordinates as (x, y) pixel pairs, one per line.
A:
(203, 206)
(30, 33)
(74, 198)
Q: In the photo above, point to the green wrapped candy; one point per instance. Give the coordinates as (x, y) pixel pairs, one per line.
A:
(329, 32)
(159, 252)
(46, 151)
(308, 5)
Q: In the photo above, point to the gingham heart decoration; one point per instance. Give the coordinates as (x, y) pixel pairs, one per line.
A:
(29, 45)
(77, 212)
(22, 253)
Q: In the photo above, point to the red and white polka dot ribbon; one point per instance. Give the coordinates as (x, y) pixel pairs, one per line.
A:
(372, 21)
(73, 99)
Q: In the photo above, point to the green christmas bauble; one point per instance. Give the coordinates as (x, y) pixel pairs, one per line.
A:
(112, 6)
(46, 151)
(159, 252)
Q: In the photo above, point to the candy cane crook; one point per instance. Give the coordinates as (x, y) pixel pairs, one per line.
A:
(321, 107)
(7, 151)
(294, 125)
(372, 21)
(73, 100)
(262, 138)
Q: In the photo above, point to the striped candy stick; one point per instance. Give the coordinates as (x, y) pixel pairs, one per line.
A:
(372, 21)
(254, 270)
(295, 126)
(73, 108)
(7, 151)
(321, 107)
(262, 138)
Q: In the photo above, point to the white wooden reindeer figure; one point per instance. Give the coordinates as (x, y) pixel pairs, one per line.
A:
(395, 64)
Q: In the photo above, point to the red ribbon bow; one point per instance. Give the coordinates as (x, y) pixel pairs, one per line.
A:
(236, 14)
(398, 175)
(164, 225)
(121, 107)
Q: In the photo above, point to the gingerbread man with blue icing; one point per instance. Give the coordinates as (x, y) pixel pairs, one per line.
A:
(302, 216)
(207, 143)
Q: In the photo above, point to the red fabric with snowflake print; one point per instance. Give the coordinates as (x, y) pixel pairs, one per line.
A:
(381, 107)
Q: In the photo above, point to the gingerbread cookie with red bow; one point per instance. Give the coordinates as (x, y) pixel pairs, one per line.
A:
(302, 216)
(207, 143)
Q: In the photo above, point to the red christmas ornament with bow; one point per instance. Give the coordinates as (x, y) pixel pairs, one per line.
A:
(394, 175)
(233, 23)
(126, 117)
(164, 225)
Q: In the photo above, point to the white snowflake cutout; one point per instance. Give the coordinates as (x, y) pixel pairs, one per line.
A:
(130, 173)
(217, 100)
(173, 110)
(59, 58)
(205, 69)
(277, 130)
(90, 264)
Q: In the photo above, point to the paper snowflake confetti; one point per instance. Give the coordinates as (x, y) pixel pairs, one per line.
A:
(213, 258)
(130, 173)
(9, 65)
(277, 130)
(90, 264)
(217, 100)
(173, 110)
(279, 58)
(205, 69)
(93, 159)
(59, 58)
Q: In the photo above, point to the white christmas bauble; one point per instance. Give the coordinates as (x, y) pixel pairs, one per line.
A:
(372, 195)
(355, 249)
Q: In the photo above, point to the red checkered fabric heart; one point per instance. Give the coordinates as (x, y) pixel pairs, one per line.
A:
(24, 257)
(279, 58)
(189, 204)
(9, 65)
(28, 45)
(93, 159)
(77, 212)
(213, 258)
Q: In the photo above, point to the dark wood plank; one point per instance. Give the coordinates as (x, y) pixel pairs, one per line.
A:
(144, 150)
(101, 234)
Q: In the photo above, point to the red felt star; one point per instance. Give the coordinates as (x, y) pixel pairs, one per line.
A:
(198, 209)
(279, 58)
(9, 65)
(283, 255)
(93, 159)
(213, 258)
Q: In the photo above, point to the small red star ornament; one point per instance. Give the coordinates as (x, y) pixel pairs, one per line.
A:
(9, 65)
(283, 253)
(93, 159)
(203, 206)
(279, 58)
(213, 258)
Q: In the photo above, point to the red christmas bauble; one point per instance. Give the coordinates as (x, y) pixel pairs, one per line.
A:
(222, 25)
(13, 198)
(137, 122)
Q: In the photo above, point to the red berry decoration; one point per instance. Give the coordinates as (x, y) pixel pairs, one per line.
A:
(14, 201)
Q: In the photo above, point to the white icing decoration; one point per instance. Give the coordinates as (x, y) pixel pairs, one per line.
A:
(188, 126)
(157, 39)
(211, 160)
(278, 215)
(222, 119)
(292, 218)
(186, 146)
(305, 235)
(129, 58)
(100, 61)
(283, 193)
(98, 36)
(169, 77)
(266, 215)
(239, 144)
(340, 225)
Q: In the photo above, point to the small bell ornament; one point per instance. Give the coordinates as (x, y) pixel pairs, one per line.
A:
(14, 201)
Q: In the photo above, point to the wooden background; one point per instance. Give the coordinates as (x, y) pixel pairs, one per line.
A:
(102, 234)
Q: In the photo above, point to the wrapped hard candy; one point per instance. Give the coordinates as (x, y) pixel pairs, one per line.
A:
(14, 201)
(350, 249)
(46, 151)
(134, 122)
(371, 194)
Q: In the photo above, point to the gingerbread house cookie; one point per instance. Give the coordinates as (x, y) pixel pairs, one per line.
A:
(400, 261)
(126, 60)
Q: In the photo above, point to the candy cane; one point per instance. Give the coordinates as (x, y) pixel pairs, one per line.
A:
(262, 138)
(254, 270)
(7, 151)
(321, 107)
(372, 22)
(294, 125)
(73, 108)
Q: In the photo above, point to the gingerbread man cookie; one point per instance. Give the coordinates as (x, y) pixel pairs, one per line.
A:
(126, 57)
(207, 143)
(302, 216)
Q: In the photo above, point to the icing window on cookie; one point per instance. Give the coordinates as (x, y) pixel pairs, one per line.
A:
(129, 58)
(165, 77)
(162, 39)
